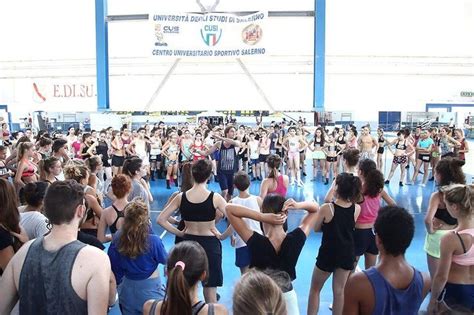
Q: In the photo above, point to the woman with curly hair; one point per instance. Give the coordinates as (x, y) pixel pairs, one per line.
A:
(438, 221)
(135, 254)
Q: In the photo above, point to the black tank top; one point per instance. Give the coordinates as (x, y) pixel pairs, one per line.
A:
(44, 290)
(319, 143)
(194, 311)
(113, 226)
(338, 234)
(228, 162)
(198, 212)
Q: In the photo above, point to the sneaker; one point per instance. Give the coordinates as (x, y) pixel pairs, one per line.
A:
(326, 182)
(421, 172)
(330, 307)
(387, 182)
(423, 185)
(400, 184)
(304, 174)
(407, 167)
(409, 183)
(431, 179)
(253, 179)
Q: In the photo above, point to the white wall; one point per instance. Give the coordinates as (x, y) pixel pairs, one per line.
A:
(381, 55)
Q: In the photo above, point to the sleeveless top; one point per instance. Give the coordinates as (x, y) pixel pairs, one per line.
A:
(293, 144)
(44, 290)
(228, 162)
(369, 208)
(280, 188)
(467, 258)
(198, 212)
(338, 234)
(250, 202)
(194, 311)
(381, 139)
(113, 226)
(389, 300)
(318, 144)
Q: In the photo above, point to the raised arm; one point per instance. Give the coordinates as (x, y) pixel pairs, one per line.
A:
(237, 213)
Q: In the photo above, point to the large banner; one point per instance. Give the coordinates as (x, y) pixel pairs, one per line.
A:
(208, 35)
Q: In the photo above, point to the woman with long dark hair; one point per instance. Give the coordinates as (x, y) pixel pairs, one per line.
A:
(186, 267)
(198, 207)
(276, 182)
(135, 254)
(11, 234)
(26, 170)
(438, 220)
(133, 167)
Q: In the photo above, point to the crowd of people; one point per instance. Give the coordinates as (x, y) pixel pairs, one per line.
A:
(63, 197)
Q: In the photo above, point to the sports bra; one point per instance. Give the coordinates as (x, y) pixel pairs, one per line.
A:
(341, 140)
(293, 144)
(30, 171)
(443, 215)
(318, 143)
(401, 147)
(381, 139)
(280, 188)
(198, 212)
(467, 258)
(113, 226)
(196, 308)
(331, 147)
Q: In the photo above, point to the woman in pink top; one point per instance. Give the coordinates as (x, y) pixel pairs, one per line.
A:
(364, 238)
(275, 183)
(453, 285)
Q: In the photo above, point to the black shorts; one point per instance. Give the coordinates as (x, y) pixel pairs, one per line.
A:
(262, 158)
(105, 163)
(226, 182)
(117, 161)
(364, 242)
(424, 157)
(331, 158)
(155, 158)
(330, 259)
(380, 150)
(213, 248)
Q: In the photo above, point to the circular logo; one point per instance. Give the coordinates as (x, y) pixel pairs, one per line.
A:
(252, 34)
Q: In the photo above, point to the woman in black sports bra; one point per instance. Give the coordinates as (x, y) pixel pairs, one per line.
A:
(198, 210)
(438, 221)
(400, 156)
(186, 260)
(381, 149)
(341, 146)
(112, 216)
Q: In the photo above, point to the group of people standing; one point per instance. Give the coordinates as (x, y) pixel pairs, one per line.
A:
(65, 191)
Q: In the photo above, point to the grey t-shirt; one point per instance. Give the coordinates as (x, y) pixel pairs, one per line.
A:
(34, 224)
(138, 191)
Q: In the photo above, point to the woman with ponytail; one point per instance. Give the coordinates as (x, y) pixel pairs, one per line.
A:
(135, 254)
(26, 170)
(452, 289)
(275, 182)
(50, 169)
(438, 220)
(187, 266)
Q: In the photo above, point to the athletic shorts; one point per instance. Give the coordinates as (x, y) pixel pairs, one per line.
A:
(263, 158)
(380, 150)
(424, 157)
(254, 161)
(364, 242)
(432, 243)
(319, 155)
(213, 248)
(331, 158)
(117, 161)
(402, 159)
(458, 297)
(155, 158)
(331, 259)
(226, 182)
(170, 162)
(242, 257)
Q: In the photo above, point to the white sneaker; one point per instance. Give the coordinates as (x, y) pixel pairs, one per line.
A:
(423, 185)
(409, 183)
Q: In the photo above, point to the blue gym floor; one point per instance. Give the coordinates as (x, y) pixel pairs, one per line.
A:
(414, 198)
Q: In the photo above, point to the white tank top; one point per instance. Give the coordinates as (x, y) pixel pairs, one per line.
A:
(253, 148)
(252, 203)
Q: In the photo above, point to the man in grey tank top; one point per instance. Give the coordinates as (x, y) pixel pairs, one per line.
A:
(57, 274)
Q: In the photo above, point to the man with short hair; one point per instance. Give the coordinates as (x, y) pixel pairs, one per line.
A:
(367, 144)
(393, 286)
(56, 273)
